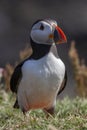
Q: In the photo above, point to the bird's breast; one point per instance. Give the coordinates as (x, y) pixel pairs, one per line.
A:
(41, 79)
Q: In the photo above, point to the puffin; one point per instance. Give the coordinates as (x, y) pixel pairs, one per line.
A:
(39, 79)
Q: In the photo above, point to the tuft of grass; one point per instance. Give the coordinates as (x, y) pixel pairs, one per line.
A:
(69, 115)
(79, 70)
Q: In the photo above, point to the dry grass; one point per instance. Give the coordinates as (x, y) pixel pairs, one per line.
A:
(80, 71)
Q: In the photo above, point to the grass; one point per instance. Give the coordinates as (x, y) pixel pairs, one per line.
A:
(69, 115)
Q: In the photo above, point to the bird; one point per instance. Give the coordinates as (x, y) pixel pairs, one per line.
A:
(40, 78)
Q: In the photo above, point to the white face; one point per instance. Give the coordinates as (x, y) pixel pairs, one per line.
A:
(41, 31)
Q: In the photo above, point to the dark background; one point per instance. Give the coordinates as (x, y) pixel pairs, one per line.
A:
(17, 16)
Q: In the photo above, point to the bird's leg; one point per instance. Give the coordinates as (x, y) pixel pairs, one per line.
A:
(24, 112)
(16, 105)
(49, 111)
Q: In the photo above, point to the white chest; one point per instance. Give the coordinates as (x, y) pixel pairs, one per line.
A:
(41, 79)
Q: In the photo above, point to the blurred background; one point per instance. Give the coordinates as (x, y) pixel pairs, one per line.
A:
(17, 16)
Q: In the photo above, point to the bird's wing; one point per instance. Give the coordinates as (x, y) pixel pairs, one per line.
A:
(15, 79)
(63, 85)
(16, 76)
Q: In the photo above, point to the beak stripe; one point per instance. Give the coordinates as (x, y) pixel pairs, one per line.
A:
(62, 36)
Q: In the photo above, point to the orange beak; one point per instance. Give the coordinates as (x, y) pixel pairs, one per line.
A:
(59, 36)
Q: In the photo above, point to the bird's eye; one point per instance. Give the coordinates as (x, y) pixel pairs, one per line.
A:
(41, 27)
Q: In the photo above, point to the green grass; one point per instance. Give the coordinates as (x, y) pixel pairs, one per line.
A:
(69, 115)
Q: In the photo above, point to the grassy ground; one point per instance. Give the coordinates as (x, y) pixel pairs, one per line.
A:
(69, 115)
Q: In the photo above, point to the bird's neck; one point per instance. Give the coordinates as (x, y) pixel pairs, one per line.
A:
(39, 50)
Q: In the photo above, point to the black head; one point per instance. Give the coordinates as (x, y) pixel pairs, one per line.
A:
(44, 33)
